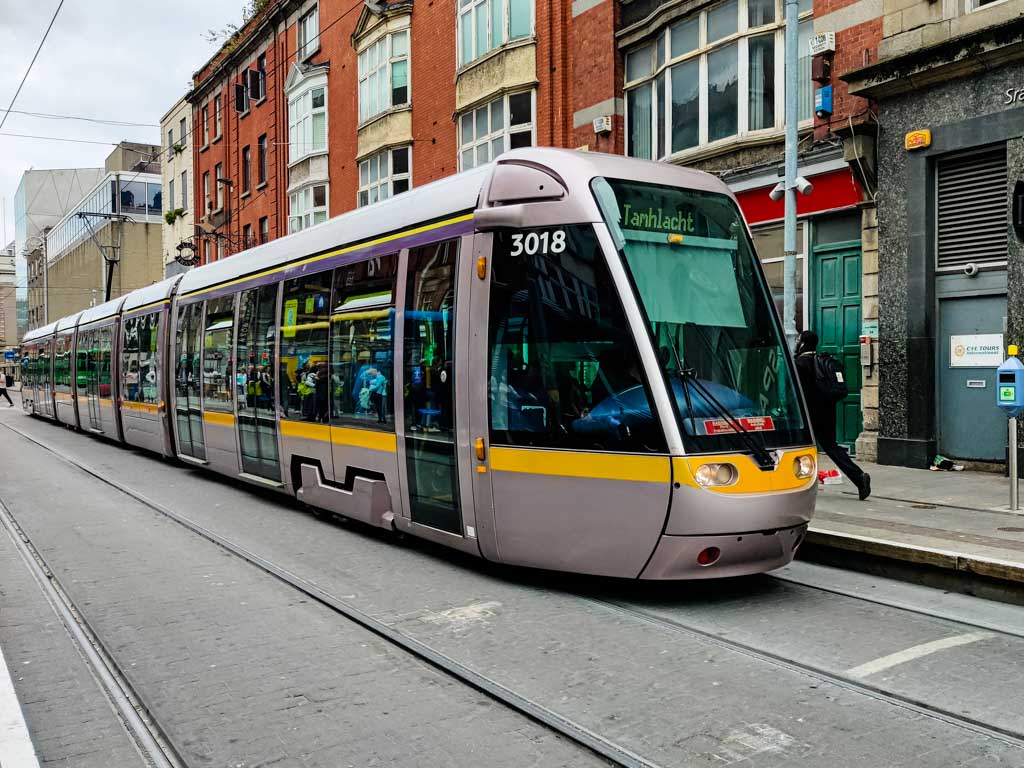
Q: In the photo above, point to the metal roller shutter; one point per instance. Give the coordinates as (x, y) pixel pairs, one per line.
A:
(972, 209)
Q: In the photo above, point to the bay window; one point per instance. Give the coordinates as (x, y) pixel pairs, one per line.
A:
(384, 75)
(384, 174)
(307, 123)
(487, 24)
(715, 75)
(487, 131)
(306, 207)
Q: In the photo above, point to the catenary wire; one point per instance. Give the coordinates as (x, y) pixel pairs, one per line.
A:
(31, 64)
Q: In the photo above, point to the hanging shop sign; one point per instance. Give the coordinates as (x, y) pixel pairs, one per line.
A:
(980, 350)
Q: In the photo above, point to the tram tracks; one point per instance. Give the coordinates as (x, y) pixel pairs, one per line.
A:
(566, 727)
(587, 739)
(624, 609)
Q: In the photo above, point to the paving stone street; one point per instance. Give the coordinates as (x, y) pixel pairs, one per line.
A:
(809, 666)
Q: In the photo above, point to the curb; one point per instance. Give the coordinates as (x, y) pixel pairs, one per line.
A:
(1001, 570)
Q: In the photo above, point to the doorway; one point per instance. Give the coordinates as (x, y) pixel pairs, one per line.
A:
(257, 364)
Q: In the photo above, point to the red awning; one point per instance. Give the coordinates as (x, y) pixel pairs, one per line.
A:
(835, 189)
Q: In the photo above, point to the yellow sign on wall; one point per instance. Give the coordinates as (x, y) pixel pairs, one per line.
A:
(917, 140)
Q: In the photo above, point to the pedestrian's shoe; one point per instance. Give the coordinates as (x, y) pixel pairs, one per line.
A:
(865, 487)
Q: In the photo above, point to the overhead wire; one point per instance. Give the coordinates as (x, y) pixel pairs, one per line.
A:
(31, 64)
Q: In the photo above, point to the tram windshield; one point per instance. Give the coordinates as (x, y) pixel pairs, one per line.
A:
(711, 318)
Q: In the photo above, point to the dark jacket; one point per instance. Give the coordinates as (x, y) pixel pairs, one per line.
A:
(822, 410)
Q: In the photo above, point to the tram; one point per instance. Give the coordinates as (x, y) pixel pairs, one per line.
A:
(561, 360)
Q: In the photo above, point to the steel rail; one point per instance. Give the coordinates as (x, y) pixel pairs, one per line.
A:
(592, 741)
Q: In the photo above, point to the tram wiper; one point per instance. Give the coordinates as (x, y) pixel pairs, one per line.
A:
(688, 378)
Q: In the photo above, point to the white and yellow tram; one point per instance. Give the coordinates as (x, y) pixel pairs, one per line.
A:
(561, 360)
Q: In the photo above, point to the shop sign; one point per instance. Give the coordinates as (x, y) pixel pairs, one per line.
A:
(982, 350)
(1014, 96)
(917, 140)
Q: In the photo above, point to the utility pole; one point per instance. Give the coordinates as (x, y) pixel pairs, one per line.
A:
(789, 227)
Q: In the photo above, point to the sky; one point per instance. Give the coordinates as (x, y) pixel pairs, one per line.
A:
(105, 59)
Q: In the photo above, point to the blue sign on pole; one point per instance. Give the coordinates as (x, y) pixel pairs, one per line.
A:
(11, 354)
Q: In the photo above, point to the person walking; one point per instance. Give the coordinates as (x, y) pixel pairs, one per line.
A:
(6, 380)
(821, 402)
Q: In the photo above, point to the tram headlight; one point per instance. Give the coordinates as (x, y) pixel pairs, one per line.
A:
(803, 466)
(715, 475)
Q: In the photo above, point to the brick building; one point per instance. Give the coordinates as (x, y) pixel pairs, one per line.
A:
(315, 108)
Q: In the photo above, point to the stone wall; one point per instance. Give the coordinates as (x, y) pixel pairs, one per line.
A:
(867, 442)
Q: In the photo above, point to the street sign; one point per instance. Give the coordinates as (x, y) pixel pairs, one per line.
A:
(11, 354)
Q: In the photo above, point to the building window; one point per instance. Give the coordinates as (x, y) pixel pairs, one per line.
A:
(217, 121)
(246, 170)
(206, 125)
(261, 67)
(487, 131)
(220, 248)
(183, 132)
(261, 160)
(384, 174)
(307, 206)
(384, 75)
(247, 241)
(974, 5)
(487, 24)
(170, 195)
(307, 123)
(170, 144)
(241, 89)
(768, 243)
(712, 76)
(184, 190)
(207, 206)
(309, 34)
(264, 229)
(218, 174)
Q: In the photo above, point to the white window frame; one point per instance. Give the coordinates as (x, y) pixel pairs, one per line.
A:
(183, 130)
(383, 70)
(466, 12)
(305, 44)
(218, 173)
(803, 261)
(218, 119)
(300, 120)
(307, 217)
(382, 184)
(204, 114)
(502, 134)
(264, 229)
(170, 193)
(975, 5)
(662, 62)
(184, 189)
(206, 193)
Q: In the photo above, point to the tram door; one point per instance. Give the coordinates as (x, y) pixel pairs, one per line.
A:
(257, 365)
(187, 381)
(428, 369)
(89, 344)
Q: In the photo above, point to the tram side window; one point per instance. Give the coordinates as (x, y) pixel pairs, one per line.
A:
(45, 374)
(62, 364)
(304, 374)
(563, 368)
(218, 366)
(362, 344)
(104, 350)
(138, 358)
(82, 361)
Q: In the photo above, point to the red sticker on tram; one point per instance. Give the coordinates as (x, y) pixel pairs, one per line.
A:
(749, 423)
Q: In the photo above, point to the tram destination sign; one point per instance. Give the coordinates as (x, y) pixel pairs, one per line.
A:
(657, 219)
(749, 423)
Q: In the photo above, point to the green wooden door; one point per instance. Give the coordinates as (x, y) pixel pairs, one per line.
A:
(836, 320)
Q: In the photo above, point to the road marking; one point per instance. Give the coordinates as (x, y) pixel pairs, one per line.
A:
(916, 652)
(15, 743)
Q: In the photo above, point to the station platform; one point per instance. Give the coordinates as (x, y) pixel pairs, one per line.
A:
(958, 522)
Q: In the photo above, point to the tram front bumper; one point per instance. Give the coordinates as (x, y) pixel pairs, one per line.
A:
(715, 557)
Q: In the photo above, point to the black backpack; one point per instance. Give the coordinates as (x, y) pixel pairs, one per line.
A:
(828, 377)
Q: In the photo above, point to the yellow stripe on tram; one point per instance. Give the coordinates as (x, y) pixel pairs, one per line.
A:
(599, 466)
(223, 419)
(356, 438)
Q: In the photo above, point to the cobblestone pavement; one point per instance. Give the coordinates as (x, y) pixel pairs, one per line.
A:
(673, 698)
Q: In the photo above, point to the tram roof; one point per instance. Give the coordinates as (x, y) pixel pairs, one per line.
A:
(69, 321)
(101, 311)
(422, 204)
(43, 330)
(150, 294)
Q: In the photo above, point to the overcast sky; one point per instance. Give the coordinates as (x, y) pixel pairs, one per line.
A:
(106, 59)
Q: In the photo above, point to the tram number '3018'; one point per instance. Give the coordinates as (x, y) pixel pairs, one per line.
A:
(533, 243)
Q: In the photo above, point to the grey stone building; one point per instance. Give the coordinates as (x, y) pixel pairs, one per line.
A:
(949, 85)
